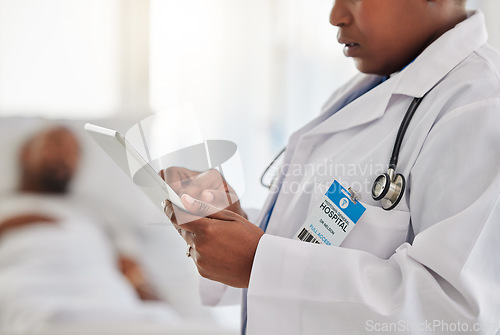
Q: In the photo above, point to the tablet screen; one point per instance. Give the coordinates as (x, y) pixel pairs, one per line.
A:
(134, 165)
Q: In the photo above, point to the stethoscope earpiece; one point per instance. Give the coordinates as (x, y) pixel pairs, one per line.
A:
(389, 189)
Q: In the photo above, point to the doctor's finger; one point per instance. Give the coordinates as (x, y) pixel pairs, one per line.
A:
(178, 177)
(199, 207)
(176, 215)
(207, 180)
(219, 183)
(209, 212)
(196, 223)
(186, 235)
(218, 198)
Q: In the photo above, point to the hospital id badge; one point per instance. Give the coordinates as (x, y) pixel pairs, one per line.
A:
(332, 219)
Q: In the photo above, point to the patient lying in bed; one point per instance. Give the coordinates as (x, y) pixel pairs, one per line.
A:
(58, 262)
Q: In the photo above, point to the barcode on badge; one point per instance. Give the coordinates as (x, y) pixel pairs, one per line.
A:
(306, 236)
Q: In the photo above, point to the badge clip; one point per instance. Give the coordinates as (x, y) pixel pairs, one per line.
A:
(355, 196)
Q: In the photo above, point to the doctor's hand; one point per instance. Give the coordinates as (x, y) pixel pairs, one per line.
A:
(223, 243)
(209, 186)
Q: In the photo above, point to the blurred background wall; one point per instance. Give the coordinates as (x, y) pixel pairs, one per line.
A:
(254, 70)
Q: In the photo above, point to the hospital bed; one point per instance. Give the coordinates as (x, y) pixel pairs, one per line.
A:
(162, 250)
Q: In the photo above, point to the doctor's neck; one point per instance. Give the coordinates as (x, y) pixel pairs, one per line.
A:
(452, 17)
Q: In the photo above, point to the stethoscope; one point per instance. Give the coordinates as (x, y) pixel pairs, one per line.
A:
(388, 188)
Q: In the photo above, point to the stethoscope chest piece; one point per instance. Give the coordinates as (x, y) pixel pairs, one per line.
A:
(388, 189)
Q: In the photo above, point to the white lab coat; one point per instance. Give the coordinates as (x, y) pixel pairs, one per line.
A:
(444, 280)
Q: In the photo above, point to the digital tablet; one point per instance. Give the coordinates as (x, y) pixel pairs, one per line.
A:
(134, 165)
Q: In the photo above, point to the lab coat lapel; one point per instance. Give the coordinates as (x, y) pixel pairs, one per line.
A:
(355, 88)
(350, 91)
(368, 107)
(435, 62)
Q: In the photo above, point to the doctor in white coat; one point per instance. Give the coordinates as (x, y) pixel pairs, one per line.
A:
(431, 264)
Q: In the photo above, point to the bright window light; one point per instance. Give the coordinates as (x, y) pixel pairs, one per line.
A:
(59, 58)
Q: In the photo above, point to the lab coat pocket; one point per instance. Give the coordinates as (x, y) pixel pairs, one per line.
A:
(378, 231)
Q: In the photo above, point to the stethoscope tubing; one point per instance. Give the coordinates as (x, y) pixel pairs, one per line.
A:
(268, 167)
(403, 127)
(393, 162)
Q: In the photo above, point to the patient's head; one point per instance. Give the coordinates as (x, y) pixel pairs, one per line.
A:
(49, 160)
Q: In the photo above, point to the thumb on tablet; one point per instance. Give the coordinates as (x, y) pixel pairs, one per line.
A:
(199, 207)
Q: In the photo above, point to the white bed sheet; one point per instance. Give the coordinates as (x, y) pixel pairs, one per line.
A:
(64, 273)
